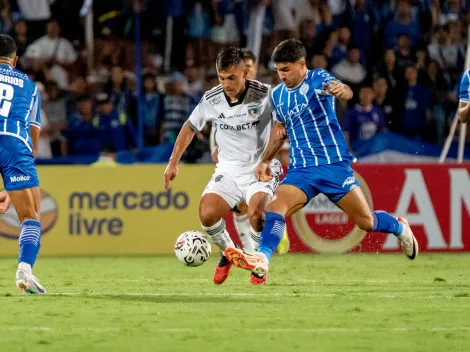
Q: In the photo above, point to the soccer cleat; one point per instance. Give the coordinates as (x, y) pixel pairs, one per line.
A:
(255, 262)
(29, 283)
(222, 270)
(407, 240)
(258, 280)
(284, 245)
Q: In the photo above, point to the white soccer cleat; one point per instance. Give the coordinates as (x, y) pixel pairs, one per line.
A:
(256, 262)
(29, 283)
(407, 240)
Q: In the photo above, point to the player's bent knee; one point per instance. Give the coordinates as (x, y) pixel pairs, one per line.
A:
(209, 215)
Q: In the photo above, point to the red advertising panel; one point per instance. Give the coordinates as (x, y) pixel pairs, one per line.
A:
(435, 199)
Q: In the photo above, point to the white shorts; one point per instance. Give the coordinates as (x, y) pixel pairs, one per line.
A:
(235, 189)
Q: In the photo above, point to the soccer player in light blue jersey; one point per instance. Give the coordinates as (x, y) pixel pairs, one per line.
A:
(319, 159)
(19, 135)
(464, 107)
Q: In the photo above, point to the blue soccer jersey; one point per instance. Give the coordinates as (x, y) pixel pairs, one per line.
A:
(20, 106)
(464, 87)
(308, 112)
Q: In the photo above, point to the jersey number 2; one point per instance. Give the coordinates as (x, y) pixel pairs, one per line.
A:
(6, 95)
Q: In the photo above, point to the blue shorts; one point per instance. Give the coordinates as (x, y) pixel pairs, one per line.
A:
(333, 180)
(17, 164)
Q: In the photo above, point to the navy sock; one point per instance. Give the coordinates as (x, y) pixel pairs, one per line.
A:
(384, 222)
(29, 241)
(272, 233)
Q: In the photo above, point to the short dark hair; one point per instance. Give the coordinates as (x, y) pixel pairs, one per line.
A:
(249, 55)
(228, 57)
(290, 50)
(7, 45)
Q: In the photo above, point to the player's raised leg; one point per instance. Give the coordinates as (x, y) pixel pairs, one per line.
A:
(355, 205)
(212, 209)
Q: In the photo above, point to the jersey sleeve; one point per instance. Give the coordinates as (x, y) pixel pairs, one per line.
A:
(277, 116)
(464, 87)
(323, 76)
(198, 118)
(35, 115)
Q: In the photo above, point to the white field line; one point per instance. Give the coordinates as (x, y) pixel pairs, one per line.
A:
(250, 294)
(318, 330)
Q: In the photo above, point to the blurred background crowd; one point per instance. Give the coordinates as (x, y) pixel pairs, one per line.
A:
(403, 59)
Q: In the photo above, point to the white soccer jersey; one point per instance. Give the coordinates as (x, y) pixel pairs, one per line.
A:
(242, 129)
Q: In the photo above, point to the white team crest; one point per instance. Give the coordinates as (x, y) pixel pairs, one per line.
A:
(304, 89)
(253, 111)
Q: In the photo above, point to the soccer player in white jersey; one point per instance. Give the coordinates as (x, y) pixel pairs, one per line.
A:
(20, 127)
(464, 100)
(319, 160)
(241, 115)
(240, 213)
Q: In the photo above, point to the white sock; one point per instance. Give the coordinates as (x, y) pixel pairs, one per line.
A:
(242, 225)
(25, 267)
(219, 235)
(255, 236)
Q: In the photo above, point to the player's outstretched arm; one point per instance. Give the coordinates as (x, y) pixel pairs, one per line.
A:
(339, 90)
(185, 137)
(464, 111)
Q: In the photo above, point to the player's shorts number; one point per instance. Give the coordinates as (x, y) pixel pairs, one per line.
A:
(6, 95)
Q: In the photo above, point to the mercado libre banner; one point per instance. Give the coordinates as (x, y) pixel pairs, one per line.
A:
(121, 210)
(125, 210)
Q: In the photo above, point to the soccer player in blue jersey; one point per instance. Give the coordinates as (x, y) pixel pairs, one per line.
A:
(464, 107)
(319, 159)
(19, 135)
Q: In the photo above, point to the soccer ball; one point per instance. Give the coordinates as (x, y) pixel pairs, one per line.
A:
(192, 248)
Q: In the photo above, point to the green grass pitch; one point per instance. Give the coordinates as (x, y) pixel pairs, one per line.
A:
(312, 303)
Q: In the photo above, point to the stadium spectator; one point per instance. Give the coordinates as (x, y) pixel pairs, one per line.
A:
(350, 69)
(364, 120)
(389, 69)
(402, 23)
(310, 11)
(308, 32)
(82, 136)
(389, 103)
(54, 104)
(114, 127)
(152, 111)
(417, 113)
(326, 19)
(340, 50)
(44, 150)
(36, 13)
(118, 89)
(53, 49)
(177, 107)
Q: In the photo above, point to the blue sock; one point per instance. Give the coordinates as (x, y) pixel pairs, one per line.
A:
(384, 222)
(272, 233)
(29, 241)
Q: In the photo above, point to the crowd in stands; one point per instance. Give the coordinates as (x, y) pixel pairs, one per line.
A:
(403, 59)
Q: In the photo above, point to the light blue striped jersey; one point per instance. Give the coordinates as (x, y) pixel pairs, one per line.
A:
(308, 113)
(465, 86)
(20, 104)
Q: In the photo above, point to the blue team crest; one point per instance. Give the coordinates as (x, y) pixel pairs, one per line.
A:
(253, 111)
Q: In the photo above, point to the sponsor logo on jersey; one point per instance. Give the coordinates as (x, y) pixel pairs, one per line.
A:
(243, 127)
(19, 178)
(349, 181)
